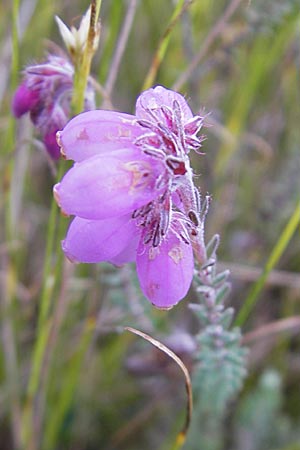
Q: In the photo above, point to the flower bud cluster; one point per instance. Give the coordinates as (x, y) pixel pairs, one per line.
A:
(45, 93)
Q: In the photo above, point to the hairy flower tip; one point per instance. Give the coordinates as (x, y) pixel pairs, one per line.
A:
(170, 122)
(132, 194)
(45, 93)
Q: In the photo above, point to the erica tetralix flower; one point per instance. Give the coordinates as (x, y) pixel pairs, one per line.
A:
(45, 93)
(132, 194)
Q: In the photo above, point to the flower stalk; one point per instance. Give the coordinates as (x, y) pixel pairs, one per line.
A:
(83, 60)
(51, 275)
(9, 262)
(220, 359)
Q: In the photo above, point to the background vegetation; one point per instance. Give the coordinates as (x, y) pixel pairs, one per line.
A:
(100, 387)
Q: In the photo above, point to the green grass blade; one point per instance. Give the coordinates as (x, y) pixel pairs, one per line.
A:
(163, 43)
(265, 53)
(277, 252)
(8, 325)
(69, 383)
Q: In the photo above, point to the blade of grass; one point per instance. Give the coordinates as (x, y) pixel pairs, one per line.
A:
(265, 53)
(70, 380)
(275, 255)
(114, 17)
(120, 47)
(212, 35)
(15, 44)
(9, 349)
(43, 327)
(9, 340)
(159, 55)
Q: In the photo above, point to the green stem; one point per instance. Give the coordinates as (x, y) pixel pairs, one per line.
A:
(44, 324)
(83, 62)
(163, 44)
(48, 278)
(15, 44)
(8, 333)
(51, 274)
(72, 373)
(276, 253)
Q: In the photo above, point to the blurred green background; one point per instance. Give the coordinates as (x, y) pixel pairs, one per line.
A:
(105, 389)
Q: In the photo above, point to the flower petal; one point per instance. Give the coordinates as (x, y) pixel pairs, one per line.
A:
(128, 254)
(97, 132)
(154, 98)
(51, 125)
(92, 241)
(165, 272)
(51, 145)
(24, 100)
(108, 186)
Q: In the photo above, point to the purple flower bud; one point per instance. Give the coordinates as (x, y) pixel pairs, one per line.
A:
(51, 145)
(46, 93)
(24, 100)
(132, 194)
(58, 120)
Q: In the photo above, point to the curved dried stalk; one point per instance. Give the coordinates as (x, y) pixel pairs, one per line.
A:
(182, 435)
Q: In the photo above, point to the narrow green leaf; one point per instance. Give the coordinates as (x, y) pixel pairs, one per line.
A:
(277, 252)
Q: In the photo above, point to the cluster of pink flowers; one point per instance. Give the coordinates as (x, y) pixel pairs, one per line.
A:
(45, 93)
(132, 194)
